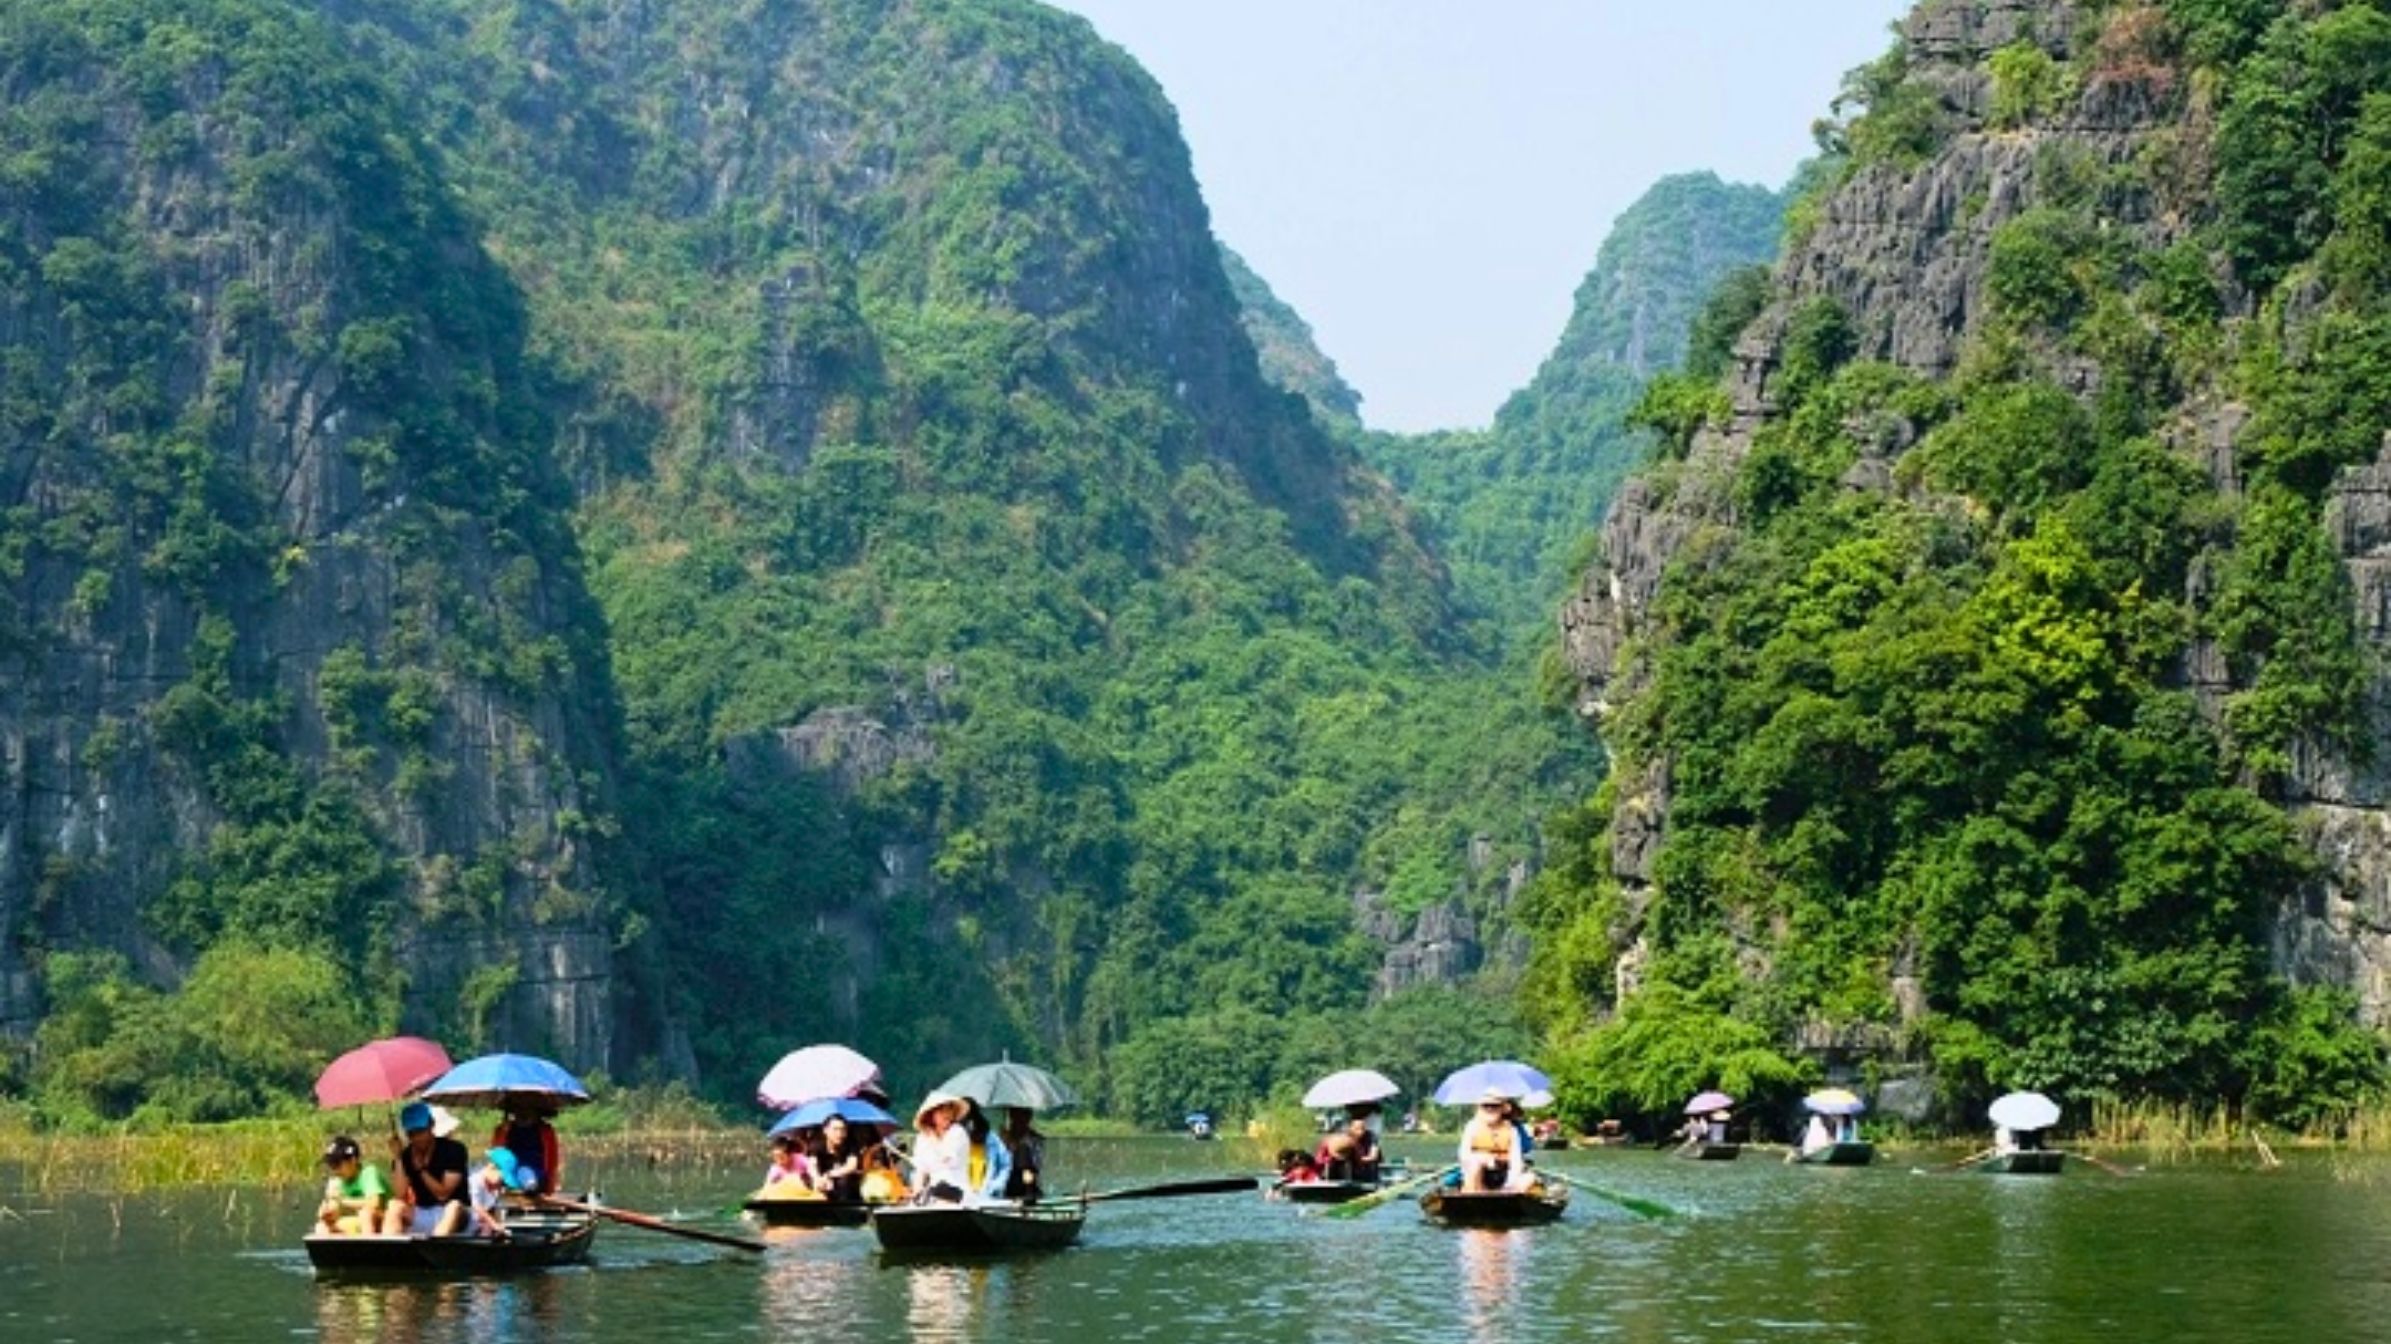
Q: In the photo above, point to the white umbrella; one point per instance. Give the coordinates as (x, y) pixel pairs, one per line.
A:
(816, 1073)
(2027, 1111)
(1353, 1087)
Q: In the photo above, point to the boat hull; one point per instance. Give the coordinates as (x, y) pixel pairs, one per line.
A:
(994, 1229)
(1324, 1192)
(809, 1213)
(2041, 1162)
(1711, 1152)
(530, 1245)
(1840, 1155)
(1498, 1208)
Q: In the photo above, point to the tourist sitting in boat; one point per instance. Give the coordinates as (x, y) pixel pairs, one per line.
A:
(500, 1176)
(539, 1160)
(1297, 1167)
(1714, 1130)
(991, 1164)
(835, 1162)
(2007, 1140)
(1818, 1135)
(789, 1171)
(882, 1183)
(941, 1150)
(432, 1197)
(1493, 1155)
(356, 1196)
(1350, 1156)
(1028, 1148)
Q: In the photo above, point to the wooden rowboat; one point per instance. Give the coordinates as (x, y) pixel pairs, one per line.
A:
(1711, 1152)
(2034, 1162)
(1324, 1192)
(809, 1212)
(1494, 1208)
(1853, 1154)
(986, 1229)
(533, 1242)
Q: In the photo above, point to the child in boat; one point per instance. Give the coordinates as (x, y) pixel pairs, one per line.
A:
(790, 1175)
(539, 1160)
(356, 1194)
(1297, 1167)
(882, 1183)
(500, 1175)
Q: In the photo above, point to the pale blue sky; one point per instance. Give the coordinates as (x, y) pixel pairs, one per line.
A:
(1428, 180)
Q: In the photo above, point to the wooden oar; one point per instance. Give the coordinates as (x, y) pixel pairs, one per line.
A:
(1643, 1208)
(1223, 1186)
(2110, 1167)
(1356, 1208)
(1963, 1162)
(654, 1224)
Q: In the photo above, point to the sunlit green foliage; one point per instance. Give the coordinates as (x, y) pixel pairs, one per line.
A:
(1939, 737)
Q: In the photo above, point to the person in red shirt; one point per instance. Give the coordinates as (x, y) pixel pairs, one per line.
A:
(539, 1161)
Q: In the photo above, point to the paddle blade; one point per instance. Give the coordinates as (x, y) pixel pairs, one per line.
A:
(1226, 1185)
(1635, 1204)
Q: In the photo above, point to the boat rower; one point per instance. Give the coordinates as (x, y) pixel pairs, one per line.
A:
(1492, 1156)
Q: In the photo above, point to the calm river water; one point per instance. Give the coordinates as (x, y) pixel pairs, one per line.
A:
(1761, 1252)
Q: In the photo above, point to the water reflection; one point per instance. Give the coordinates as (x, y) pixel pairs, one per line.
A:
(435, 1313)
(1490, 1275)
(945, 1302)
(805, 1286)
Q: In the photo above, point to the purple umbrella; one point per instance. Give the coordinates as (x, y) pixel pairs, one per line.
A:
(1508, 1077)
(1708, 1102)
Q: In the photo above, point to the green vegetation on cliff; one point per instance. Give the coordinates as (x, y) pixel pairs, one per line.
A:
(1003, 661)
(1937, 739)
(1510, 506)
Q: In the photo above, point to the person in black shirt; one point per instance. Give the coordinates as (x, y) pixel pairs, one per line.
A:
(431, 1171)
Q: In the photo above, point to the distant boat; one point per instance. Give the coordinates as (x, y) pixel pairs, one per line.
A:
(1711, 1152)
(1199, 1125)
(1856, 1153)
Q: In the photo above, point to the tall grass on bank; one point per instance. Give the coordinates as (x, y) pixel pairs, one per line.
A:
(2174, 1132)
(632, 1128)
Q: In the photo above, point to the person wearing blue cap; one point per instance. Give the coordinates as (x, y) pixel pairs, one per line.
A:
(432, 1199)
(500, 1176)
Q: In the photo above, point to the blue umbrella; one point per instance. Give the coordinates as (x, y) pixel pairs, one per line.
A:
(853, 1110)
(1512, 1079)
(502, 1080)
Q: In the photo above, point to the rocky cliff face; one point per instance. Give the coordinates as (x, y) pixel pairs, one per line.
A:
(2011, 111)
(1510, 505)
(1291, 359)
(285, 566)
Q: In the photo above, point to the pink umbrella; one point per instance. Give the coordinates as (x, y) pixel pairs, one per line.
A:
(817, 1073)
(381, 1071)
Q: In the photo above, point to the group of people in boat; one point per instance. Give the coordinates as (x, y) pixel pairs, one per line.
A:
(438, 1190)
(957, 1156)
(1348, 1152)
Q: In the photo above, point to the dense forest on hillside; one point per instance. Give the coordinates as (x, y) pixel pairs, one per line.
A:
(1510, 507)
(1962, 725)
(976, 652)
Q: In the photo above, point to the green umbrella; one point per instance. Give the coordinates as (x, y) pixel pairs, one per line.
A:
(1011, 1084)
